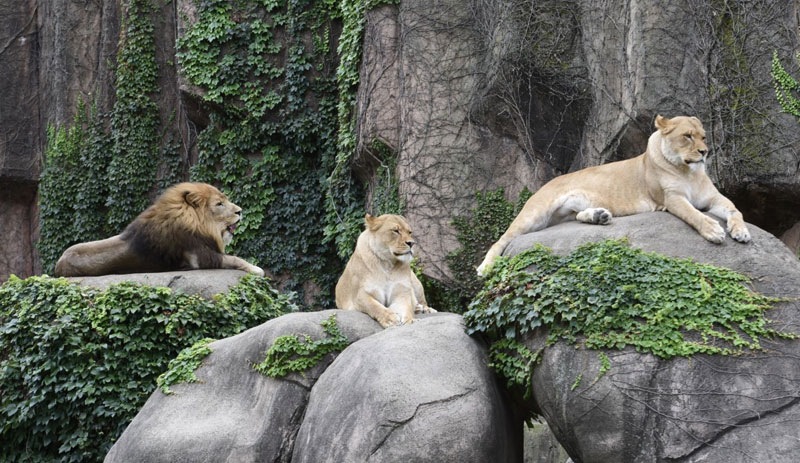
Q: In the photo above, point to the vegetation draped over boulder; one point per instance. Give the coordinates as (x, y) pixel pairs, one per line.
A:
(609, 295)
(77, 364)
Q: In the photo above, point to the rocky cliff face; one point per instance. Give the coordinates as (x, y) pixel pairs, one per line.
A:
(469, 96)
(504, 94)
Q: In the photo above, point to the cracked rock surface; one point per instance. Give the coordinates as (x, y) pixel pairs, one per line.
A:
(705, 408)
(420, 392)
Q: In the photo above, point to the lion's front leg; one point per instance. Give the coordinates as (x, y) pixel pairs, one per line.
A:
(237, 263)
(724, 208)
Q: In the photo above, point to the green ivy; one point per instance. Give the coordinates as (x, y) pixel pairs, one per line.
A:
(76, 364)
(291, 354)
(123, 149)
(787, 88)
(476, 232)
(609, 295)
(272, 136)
(181, 369)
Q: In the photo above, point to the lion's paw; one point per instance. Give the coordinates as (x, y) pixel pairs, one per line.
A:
(255, 270)
(390, 319)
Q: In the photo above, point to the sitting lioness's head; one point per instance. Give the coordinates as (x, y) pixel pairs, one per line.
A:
(390, 237)
(683, 141)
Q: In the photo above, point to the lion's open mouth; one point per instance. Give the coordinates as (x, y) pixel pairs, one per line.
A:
(231, 228)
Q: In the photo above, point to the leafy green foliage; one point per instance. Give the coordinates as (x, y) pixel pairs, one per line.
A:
(135, 118)
(76, 364)
(291, 354)
(514, 361)
(272, 140)
(609, 296)
(787, 89)
(476, 232)
(181, 369)
(122, 149)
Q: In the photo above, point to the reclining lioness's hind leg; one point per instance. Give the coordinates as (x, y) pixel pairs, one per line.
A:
(594, 215)
(532, 217)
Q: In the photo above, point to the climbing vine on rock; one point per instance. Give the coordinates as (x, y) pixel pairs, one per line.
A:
(270, 69)
(609, 295)
(76, 363)
(787, 88)
(101, 172)
(293, 354)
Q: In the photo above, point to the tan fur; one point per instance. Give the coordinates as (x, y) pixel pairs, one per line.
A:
(669, 176)
(378, 279)
(187, 227)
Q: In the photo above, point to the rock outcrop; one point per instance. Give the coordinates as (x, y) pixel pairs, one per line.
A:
(703, 408)
(412, 393)
(205, 283)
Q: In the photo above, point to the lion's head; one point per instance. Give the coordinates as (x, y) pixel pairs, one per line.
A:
(683, 141)
(197, 207)
(390, 237)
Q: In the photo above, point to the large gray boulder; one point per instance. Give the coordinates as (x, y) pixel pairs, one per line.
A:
(233, 413)
(420, 392)
(699, 409)
(417, 393)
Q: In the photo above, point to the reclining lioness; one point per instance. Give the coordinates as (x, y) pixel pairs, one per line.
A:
(670, 175)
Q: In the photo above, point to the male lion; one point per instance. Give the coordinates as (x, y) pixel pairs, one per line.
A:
(378, 279)
(187, 227)
(669, 176)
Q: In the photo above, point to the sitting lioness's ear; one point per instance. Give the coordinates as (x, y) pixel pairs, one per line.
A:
(371, 222)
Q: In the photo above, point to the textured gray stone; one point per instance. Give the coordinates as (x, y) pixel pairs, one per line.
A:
(699, 409)
(420, 392)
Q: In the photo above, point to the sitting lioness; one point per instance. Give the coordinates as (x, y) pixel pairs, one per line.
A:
(378, 279)
(670, 175)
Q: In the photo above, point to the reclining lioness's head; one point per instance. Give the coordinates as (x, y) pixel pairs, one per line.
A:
(683, 140)
(390, 237)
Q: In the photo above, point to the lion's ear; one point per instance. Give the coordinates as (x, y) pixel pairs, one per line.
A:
(662, 124)
(192, 198)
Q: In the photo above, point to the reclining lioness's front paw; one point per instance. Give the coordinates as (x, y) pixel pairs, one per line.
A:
(420, 308)
(739, 232)
(712, 231)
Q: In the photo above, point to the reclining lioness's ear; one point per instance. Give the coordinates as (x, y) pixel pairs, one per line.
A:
(663, 124)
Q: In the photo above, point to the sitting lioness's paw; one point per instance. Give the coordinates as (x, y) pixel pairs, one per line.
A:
(390, 319)
(420, 308)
